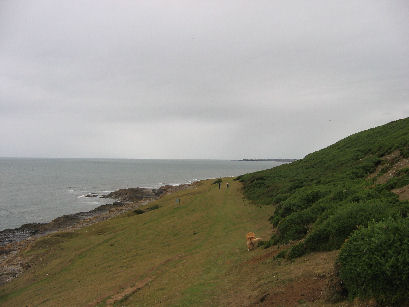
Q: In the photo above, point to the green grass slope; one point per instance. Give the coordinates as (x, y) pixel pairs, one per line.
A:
(175, 255)
(352, 158)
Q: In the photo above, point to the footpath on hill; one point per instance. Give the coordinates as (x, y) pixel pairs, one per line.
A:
(186, 249)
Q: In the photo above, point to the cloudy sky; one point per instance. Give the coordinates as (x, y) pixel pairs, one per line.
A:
(197, 79)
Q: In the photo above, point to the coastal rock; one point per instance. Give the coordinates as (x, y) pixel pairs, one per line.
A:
(10, 272)
(131, 194)
(92, 195)
(26, 231)
(168, 189)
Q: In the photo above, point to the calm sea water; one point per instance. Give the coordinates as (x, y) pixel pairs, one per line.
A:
(39, 190)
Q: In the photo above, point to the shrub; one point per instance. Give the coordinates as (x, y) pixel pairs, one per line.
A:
(405, 152)
(219, 180)
(296, 225)
(374, 262)
(297, 251)
(281, 254)
(151, 208)
(293, 227)
(300, 200)
(337, 227)
(281, 197)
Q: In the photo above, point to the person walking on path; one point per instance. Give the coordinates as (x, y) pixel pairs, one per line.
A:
(219, 185)
(227, 185)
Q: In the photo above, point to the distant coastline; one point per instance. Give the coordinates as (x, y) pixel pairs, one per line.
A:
(275, 160)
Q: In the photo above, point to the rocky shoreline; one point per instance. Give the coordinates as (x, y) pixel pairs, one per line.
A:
(12, 241)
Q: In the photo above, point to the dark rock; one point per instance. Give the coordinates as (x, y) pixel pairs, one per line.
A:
(167, 189)
(139, 211)
(91, 195)
(131, 194)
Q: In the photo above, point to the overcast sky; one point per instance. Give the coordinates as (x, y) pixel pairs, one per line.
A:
(198, 79)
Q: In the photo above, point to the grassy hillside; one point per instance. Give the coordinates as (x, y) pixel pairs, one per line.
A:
(181, 255)
(351, 159)
(322, 199)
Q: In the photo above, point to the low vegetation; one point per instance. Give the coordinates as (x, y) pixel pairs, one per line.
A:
(217, 181)
(321, 200)
(374, 262)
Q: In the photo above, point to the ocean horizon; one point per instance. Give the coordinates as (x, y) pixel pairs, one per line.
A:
(37, 190)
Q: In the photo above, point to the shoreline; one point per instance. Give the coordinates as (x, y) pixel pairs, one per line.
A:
(13, 241)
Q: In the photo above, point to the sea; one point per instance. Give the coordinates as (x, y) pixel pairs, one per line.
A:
(39, 190)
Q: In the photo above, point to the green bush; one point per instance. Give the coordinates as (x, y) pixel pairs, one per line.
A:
(281, 254)
(374, 262)
(297, 251)
(296, 225)
(219, 180)
(405, 152)
(300, 200)
(151, 208)
(333, 231)
(138, 211)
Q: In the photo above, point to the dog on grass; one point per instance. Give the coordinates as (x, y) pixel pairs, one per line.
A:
(252, 241)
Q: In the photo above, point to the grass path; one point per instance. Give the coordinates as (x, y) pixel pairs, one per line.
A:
(176, 255)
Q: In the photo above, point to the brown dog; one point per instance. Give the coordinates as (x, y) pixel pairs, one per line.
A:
(252, 240)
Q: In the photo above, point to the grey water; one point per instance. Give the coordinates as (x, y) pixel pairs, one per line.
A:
(39, 190)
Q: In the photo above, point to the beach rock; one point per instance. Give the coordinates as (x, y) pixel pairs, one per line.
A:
(10, 272)
(168, 189)
(131, 194)
(91, 195)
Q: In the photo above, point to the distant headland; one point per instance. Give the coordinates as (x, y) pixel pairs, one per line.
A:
(275, 160)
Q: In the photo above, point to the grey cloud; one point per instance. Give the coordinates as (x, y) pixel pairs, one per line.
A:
(269, 74)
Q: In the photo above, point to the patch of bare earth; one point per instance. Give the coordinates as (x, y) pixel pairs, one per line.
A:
(401, 164)
(304, 280)
(128, 291)
(386, 160)
(295, 292)
(395, 163)
(263, 257)
(402, 192)
(12, 264)
(264, 280)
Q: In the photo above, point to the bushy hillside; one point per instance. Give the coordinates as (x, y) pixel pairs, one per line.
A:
(322, 199)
